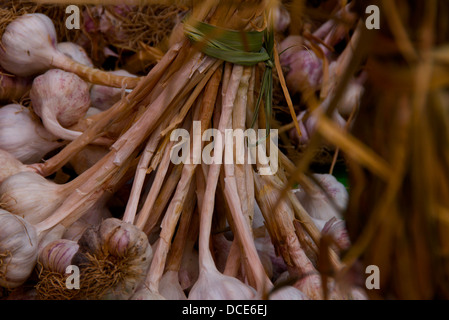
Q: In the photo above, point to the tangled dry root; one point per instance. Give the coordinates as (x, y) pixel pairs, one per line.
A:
(52, 286)
(102, 275)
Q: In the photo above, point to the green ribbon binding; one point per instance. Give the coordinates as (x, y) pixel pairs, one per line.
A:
(246, 48)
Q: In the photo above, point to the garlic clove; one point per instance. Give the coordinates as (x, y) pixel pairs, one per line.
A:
(60, 99)
(75, 52)
(30, 196)
(16, 55)
(18, 249)
(23, 135)
(113, 259)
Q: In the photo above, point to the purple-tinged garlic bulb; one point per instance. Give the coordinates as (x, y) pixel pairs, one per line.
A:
(303, 67)
(18, 249)
(113, 258)
(281, 18)
(23, 136)
(53, 261)
(60, 99)
(336, 228)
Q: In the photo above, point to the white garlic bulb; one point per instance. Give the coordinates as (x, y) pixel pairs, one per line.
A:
(23, 136)
(18, 249)
(26, 55)
(316, 202)
(60, 99)
(31, 196)
(170, 288)
(213, 285)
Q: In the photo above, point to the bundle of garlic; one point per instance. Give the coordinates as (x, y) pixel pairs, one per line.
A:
(201, 93)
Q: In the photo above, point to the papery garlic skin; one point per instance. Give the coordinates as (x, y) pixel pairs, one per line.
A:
(60, 99)
(30, 196)
(126, 245)
(23, 136)
(17, 45)
(316, 202)
(75, 52)
(18, 249)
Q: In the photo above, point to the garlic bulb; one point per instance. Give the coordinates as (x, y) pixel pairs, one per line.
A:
(287, 293)
(281, 18)
(53, 261)
(27, 41)
(170, 288)
(18, 249)
(57, 255)
(10, 165)
(104, 97)
(60, 99)
(31, 196)
(23, 136)
(336, 228)
(213, 285)
(316, 202)
(76, 52)
(113, 259)
(304, 68)
(29, 48)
